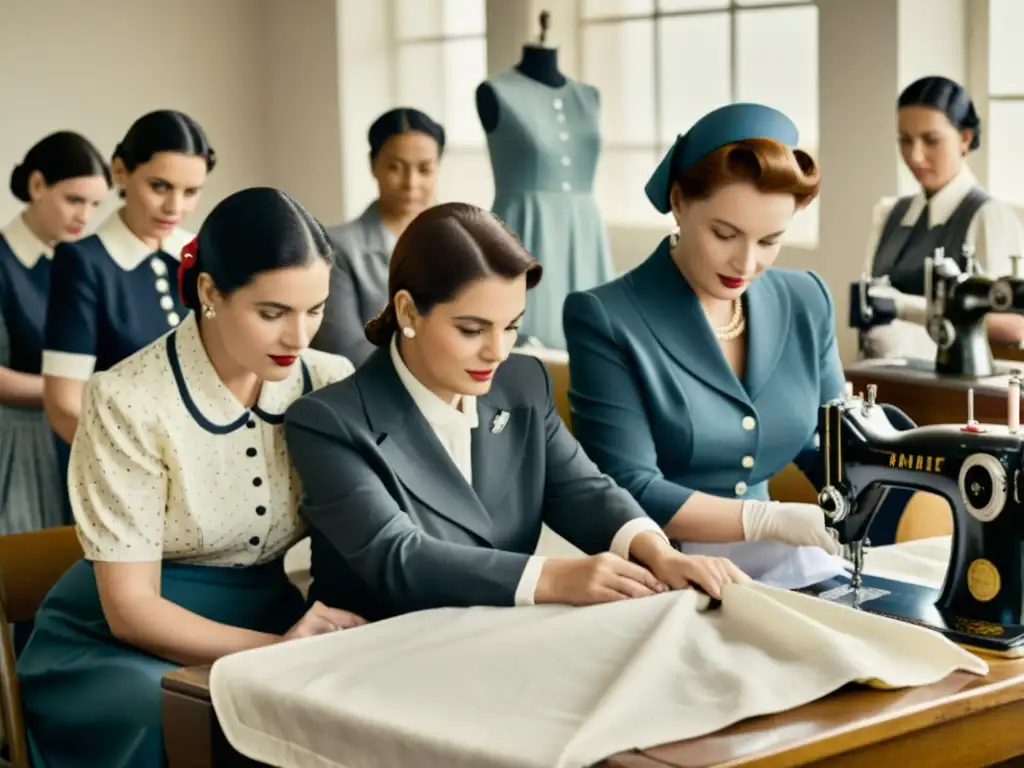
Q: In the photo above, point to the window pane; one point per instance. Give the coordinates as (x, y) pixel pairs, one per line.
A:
(1006, 151)
(803, 231)
(465, 67)
(596, 9)
(1005, 53)
(770, 2)
(466, 177)
(421, 78)
(619, 189)
(781, 76)
(464, 17)
(417, 18)
(693, 70)
(691, 5)
(617, 59)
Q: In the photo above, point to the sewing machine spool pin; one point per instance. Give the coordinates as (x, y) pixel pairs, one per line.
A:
(972, 424)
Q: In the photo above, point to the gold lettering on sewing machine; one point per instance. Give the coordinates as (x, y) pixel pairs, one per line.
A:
(916, 462)
(983, 580)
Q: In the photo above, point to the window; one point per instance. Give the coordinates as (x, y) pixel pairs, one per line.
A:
(1006, 101)
(662, 64)
(440, 58)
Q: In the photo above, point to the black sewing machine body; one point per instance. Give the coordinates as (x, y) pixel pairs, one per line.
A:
(957, 300)
(979, 473)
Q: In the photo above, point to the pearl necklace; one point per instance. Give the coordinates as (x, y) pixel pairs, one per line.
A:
(735, 327)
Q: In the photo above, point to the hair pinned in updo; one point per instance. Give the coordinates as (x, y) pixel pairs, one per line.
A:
(444, 249)
(256, 230)
(948, 97)
(58, 157)
(767, 164)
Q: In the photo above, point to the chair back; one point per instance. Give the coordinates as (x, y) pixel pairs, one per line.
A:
(30, 564)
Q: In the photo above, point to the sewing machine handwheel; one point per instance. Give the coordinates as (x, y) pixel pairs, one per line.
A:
(1000, 296)
(941, 332)
(983, 487)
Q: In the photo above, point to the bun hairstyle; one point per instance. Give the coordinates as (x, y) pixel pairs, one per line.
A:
(948, 97)
(445, 248)
(256, 230)
(58, 157)
(165, 130)
(395, 122)
(765, 163)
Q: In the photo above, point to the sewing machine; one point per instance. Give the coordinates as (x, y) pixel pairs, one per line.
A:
(956, 300)
(978, 469)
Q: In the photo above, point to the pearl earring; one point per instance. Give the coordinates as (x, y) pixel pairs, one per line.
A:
(209, 312)
(673, 239)
(408, 332)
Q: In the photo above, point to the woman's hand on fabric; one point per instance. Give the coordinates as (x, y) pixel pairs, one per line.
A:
(595, 579)
(709, 574)
(321, 619)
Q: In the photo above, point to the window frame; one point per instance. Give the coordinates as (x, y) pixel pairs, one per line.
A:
(979, 22)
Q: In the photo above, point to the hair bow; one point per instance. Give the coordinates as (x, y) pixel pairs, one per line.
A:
(188, 260)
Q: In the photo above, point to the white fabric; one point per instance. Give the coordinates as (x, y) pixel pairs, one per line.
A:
(995, 233)
(26, 247)
(128, 251)
(559, 687)
(453, 424)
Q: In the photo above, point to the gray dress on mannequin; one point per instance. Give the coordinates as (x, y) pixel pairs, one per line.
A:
(544, 154)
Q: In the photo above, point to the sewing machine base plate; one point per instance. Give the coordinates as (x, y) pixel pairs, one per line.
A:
(916, 605)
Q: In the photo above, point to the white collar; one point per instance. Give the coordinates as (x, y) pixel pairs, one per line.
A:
(942, 203)
(128, 251)
(435, 410)
(26, 247)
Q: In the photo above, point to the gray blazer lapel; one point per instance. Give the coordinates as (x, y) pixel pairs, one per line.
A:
(408, 444)
(497, 456)
(673, 313)
(376, 238)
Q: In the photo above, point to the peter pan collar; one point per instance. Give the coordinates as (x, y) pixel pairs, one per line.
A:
(127, 251)
(208, 399)
(26, 247)
(436, 411)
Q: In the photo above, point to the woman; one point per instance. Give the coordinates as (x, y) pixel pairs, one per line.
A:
(183, 494)
(429, 472)
(115, 292)
(61, 181)
(405, 152)
(697, 376)
(938, 128)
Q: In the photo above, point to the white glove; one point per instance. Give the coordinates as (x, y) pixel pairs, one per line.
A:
(911, 309)
(802, 525)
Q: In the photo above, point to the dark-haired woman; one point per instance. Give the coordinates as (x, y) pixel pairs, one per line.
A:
(429, 472)
(62, 179)
(697, 376)
(938, 128)
(183, 495)
(405, 153)
(114, 292)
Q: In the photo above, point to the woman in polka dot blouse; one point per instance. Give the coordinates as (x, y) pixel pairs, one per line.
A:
(183, 494)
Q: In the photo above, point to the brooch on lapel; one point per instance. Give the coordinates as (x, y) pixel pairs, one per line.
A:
(499, 421)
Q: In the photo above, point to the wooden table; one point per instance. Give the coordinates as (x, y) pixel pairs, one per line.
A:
(961, 722)
(929, 398)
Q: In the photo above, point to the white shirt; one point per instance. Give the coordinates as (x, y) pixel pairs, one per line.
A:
(995, 233)
(26, 247)
(168, 464)
(453, 423)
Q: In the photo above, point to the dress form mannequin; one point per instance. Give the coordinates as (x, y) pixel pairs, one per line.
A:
(539, 63)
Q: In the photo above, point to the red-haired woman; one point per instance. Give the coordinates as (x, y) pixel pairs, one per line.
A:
(697, 376)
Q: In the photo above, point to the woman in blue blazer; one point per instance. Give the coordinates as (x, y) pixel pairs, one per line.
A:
(697, 376)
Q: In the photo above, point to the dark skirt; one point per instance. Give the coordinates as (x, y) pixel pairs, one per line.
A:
(91, 700)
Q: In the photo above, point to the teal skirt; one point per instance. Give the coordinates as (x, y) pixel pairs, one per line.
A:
(91, 700)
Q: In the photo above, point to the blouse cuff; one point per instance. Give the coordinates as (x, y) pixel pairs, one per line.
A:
(623, 539)
(68, 365)
(527, 589)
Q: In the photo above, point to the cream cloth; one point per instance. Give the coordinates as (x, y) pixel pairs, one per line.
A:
(558, 687)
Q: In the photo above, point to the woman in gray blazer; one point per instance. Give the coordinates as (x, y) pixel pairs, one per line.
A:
(429, 472)
(405, 152)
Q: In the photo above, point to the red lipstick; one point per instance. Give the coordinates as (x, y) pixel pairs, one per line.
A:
(732, 282)
(481, 375)
(283, 360)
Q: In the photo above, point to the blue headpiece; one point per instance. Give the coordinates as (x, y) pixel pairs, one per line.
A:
(725, 125)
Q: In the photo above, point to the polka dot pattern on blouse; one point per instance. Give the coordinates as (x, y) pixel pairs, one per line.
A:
(167, 464)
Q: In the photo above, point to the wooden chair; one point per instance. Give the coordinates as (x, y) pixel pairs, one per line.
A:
(30, 564)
